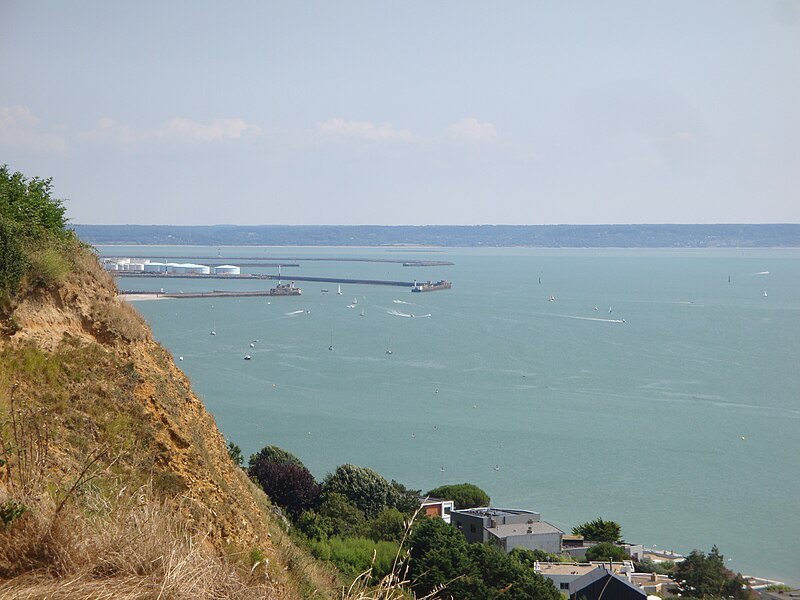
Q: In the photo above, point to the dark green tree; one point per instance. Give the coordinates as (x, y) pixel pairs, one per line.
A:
(441, 557)
(599, 530)
(705, 576)
(288, 485)
(463, 495)
(363, 487)
(272, 454)
(606, 551)
(403, 499)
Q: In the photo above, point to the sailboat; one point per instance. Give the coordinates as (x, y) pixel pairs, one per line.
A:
(389, 347)
(339, 291)
(331, 346)
(362, 312)
(213, 329)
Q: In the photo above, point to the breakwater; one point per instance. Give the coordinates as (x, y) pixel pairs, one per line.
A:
(346, 280)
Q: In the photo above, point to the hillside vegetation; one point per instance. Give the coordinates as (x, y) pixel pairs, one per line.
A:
(114, 480)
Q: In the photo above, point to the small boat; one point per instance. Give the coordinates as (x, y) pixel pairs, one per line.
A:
(252, 345)
(213, 329)
(324, 291)
(339, 291)
(551, 298)
(355, 300)
(247, 357)
(362, 312)
(765, 294)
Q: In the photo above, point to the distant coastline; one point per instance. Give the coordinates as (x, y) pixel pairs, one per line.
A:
(785, 235)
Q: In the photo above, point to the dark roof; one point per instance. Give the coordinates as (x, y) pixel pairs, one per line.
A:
(600, 581)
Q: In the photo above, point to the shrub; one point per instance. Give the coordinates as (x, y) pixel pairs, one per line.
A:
(606, 551)
(290, 486)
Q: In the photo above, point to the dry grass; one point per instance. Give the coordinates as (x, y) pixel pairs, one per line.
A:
(129, 546)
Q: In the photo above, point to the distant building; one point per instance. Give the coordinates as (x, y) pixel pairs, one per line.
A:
(435, 507)
(508, 528)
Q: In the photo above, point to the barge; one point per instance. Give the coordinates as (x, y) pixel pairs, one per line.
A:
(431, 287)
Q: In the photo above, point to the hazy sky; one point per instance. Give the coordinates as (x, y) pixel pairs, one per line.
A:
(406, 112)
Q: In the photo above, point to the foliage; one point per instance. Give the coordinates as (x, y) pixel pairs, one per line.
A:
(463, 495)
(344, 517)
(354, 555)
(389, 526)
(33, 234)
(526, 557)
(648, 565)
(10, 511)
(271, 454)
(441, 558)
(289, 485)
(599, 530)
(401, 498)
(606, 551)
(235, 453)
(363, 487)
(705, 576)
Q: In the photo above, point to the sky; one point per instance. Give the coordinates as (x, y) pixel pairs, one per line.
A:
(406, 113)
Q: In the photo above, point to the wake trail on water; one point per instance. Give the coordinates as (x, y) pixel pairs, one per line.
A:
(296, 312)
(400, 302)
(594, 319)
(397, 313)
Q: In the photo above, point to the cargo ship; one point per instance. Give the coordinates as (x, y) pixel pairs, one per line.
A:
(431, 287)
(285, 289)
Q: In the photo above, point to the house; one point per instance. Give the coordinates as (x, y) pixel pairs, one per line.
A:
(435, 507)
(507, 528)
(602, 583)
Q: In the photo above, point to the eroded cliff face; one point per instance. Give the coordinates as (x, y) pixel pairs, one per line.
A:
(83, 365)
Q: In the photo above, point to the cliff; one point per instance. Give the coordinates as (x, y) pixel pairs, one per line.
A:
(115, 480)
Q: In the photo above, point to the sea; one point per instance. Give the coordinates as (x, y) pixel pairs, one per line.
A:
(657, 388)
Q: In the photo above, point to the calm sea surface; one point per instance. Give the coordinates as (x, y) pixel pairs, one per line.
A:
(682, 422)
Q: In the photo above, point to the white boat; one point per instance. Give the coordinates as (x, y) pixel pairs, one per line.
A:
(339, 291)
(213, 329)
(355, 300)
(362, 312)
(765, 294)
(247, 357)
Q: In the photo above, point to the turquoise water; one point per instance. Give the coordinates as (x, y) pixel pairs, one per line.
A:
(681, 423)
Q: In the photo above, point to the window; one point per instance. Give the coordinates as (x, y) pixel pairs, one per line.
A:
(564, 585)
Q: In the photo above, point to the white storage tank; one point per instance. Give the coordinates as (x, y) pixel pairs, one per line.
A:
(227, 270)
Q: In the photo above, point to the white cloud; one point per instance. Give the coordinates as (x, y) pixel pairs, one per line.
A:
(177, 129)
(182, 129)
(338, 127)
(471, 130)
(20, 128)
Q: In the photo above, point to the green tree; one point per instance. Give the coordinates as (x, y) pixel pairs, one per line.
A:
(344, 519)
(606, 551)
(463, 495)
(600, 530)
(705, 576)
(363, 487)
(389, 526)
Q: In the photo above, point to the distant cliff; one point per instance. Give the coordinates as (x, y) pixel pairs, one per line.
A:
(546, 236)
